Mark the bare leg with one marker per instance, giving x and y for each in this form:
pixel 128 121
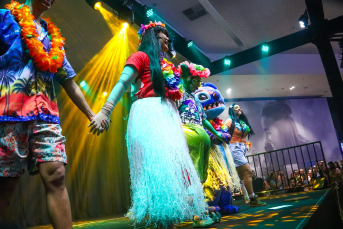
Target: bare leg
pixel 244 172
pixel 59 211
pixel 7 188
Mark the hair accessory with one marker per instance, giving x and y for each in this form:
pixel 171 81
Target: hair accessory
pixel 195 69
pixel 145 27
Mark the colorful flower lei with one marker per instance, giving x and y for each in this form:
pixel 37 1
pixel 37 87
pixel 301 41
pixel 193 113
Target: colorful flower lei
pixel 245 127
pixel 45 61
pixel 141 32
pixel 174 87
pixel 221 128
pixel 218 125
pixel 195 69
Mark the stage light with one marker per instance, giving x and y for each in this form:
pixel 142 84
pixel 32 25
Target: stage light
pixel 126 14
pixel 292 88
pixel 227 62
pixel 149 12
pixel 98 5
pixel 95 4
pixel 83 84
pixel 303 20
pixel 190 44
pixel 228 91
pixel 265 48
pixel 104 94
pixel 125 25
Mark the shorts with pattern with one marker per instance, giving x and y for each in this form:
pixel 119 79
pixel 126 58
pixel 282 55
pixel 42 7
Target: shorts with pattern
pixel 238 151
pixel 29 143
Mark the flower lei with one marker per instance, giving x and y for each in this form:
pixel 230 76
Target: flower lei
pixel 243 125
pixel 220 127
pixel 196 70
pixel 141 32
pixel 174 87
pixel 45 61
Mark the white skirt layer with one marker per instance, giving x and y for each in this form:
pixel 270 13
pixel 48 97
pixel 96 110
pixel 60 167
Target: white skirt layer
pixel 165 187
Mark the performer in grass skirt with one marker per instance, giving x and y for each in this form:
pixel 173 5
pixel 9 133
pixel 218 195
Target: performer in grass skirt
pixel 165 188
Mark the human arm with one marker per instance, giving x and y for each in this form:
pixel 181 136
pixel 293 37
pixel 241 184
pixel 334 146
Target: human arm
pixel 228 123
pixel 101 120
pixel 210 128
pixel 75 94
pixel 266 185
pixel 135 87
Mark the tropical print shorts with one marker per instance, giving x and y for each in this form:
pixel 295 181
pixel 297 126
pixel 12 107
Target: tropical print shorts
pixel 27 144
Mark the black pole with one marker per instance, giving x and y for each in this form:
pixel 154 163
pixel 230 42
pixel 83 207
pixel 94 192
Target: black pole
pixel 284 161
pixel 322 41
pixel 260 165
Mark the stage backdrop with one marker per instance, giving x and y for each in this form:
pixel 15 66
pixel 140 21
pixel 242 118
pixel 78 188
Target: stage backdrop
pixel 300 121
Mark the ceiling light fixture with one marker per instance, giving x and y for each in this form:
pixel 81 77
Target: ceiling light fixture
pixel 95 4
pixel 149 12
pixel 303 20
pixel 227 62
pixel 190 43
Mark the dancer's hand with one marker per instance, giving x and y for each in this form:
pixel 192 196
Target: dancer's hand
pixel 100 123
pixel 224 138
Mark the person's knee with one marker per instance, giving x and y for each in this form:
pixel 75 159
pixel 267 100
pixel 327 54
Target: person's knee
pixel 53 175
pixel 248 173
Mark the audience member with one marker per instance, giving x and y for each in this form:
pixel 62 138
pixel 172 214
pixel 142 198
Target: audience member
pixel 309 177
pixel 337 165
pixel 273 180
pixel 335 173
pixel 257 182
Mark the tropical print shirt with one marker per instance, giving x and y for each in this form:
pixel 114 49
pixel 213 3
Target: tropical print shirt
pixel 190 109
pixel 26 93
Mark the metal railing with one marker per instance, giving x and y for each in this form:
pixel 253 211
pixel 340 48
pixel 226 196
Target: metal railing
pixel 287 161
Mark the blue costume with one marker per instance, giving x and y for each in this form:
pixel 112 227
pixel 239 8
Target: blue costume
pixel 222 174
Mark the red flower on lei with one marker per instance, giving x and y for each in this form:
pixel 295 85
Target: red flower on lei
pixel 45 61
pixel 196 70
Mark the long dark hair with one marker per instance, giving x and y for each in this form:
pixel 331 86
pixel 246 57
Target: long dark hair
pixel 152 47
pixel 235 118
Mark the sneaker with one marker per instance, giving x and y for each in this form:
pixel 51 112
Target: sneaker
pixel 204 222
pixel 256 202
pixel 219 217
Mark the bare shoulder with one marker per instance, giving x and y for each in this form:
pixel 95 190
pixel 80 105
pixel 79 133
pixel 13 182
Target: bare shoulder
pixel 228 122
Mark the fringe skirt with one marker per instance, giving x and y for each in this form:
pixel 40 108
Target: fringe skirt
pixel 165 187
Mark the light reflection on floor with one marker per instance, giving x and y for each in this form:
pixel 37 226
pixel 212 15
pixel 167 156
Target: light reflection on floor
pixel 261 217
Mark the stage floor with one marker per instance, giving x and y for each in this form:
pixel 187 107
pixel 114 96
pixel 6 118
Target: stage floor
pixel 277 214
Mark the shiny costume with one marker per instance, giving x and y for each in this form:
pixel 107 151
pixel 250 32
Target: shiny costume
pixel 222 174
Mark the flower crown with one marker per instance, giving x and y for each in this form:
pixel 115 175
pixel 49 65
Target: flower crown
pixel 145 27
pixel 196 70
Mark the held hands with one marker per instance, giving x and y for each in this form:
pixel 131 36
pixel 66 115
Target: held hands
pixel 100 123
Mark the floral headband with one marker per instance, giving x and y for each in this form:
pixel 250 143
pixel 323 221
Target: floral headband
pixel 196 70
pixel 141 32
